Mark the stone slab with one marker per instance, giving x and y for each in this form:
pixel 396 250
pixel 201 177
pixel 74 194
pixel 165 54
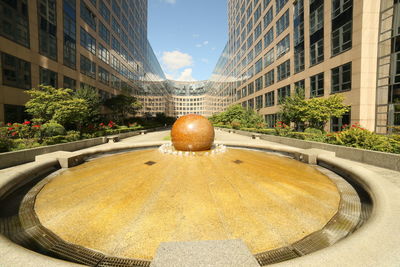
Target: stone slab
pixel 65 158
pixel 224 253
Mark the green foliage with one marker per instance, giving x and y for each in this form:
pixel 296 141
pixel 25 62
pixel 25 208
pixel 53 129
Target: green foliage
pixel 93 101
pixel 52 129
pixel 294 108
pixel 313 131
pixel 316 112
pixel 53 140
pixel 358 137
pixel 5 141
pixel 122 106
pixel 238 117
pixel 59 105
pixel 72 136
pixel 282 129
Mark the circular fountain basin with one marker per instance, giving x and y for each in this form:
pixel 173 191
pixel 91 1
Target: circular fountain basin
pixel 125 205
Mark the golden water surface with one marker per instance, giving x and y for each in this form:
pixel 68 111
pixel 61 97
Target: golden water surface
pixel 123 207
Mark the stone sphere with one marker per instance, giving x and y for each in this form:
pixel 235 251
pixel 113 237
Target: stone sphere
pixel 192 133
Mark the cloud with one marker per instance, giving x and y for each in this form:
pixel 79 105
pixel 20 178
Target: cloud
pixel 213 48
pixel 205 60
pixel 195 35
pixel 174 60
pixel 202 44
pixel 169 1
pixel 186 75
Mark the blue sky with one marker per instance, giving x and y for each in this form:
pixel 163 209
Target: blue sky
pixel 187 36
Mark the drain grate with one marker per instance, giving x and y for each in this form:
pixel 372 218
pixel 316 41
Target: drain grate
pixel 238 161
pixel 150 163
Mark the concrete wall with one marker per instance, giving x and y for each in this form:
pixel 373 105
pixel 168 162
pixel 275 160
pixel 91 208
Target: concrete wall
pixel 376 158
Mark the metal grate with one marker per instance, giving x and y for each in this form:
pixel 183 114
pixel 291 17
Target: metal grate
pixel 238 161
pixel 150 163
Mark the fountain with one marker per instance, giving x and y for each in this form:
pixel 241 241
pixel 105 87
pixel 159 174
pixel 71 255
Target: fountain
pixel 121 207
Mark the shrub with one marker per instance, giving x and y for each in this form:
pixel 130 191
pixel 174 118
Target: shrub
pixel 53 140
pixel 5 143
pixel 52 129
pixel 72 136
pixel 267 131
pixel 282 129
pixel 313 131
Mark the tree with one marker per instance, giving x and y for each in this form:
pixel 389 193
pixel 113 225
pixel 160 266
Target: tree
pixel 57 105
pixel 293 109
pixel 93 100
pixel 321 110
pixel 237 117
pixel 122 106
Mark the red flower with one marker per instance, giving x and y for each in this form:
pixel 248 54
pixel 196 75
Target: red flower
pixel 10 128
pixel 14 133
pixel 9 124
pixel 101 124
pixel 26 122
pixel 36 126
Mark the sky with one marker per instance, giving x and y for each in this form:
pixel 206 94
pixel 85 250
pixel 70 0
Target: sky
pixel 187 36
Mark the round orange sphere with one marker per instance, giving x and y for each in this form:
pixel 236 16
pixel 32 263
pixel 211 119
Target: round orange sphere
pixel 192 133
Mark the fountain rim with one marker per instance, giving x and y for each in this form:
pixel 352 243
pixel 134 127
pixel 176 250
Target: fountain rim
pixel 386 204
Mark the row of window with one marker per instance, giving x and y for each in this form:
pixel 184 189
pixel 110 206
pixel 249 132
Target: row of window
pixel 340 81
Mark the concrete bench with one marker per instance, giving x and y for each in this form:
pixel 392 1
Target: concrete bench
pixel 112 138
pixel 255 136
pixel 310 156
pixel 143 131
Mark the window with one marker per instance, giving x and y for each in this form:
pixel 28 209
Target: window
pixel 341 78
pixel 257 31
pixel 259 83
pixel 115 82
pixel 271 119
pixel 104 76
pixel 270 99
pixel 88 16
pixel 69 83
pixel 283 70
pixel 104 33
pixel 282 23
pixel 104 54
pixel 339 6
pixel 115 45
pixel 266 3
pixel 269 16
pixel 47 28
pixel 88 67
pixel 250 57
pixel 341 38
pixel 48 77
pixel 250 40
pixel 250 103
pixel 268 38
pixel 104 11
pixel 14 21
pixel 258 48
pixel 283 92
pixel 15 113
pixel 299 87
pixel 69 34
pixel 258 66
pixel 269 78
pixel 317 52
pixel 116 8
pixel 280 4
pixel 249 10
pixel 337 124
pixel 16 72
pixel 257 14
pixel 250 88
pixel 115 26
pixel 269 57
pixel 298 59
pixel 283 47
pixel 317 85
pixel 259 102
pixel 88 41
pixel 317 19
pixel 244 91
